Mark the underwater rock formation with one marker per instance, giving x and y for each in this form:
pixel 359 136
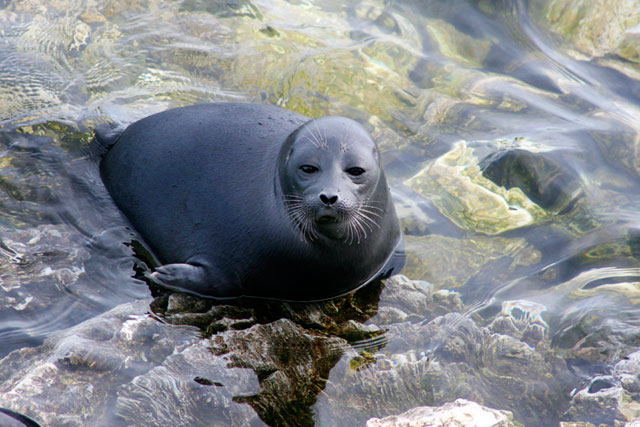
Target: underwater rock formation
pixel 454 414
pixel 179 360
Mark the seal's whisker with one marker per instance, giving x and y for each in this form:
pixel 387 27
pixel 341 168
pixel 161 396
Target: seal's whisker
pixel 365 221
pixel 349 239
pixel 366 211
pixel 296 209
pixel 366 217
pixel 370 214
pixel 374 208
pixel 361 230
pixel 362 234
pixel 324 133
pixel 309 226
pixel 323 143
pixel 351 233
pixel 302 217
pixel 370 206
pixel 316 140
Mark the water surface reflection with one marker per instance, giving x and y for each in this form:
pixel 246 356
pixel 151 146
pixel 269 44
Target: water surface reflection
pixel 510 137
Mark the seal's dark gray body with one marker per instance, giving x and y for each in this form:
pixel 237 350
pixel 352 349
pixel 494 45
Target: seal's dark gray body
pixel 11 418
pixel 200 184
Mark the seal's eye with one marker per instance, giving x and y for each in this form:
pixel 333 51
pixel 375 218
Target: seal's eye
pixel 308 169
pixel 355 171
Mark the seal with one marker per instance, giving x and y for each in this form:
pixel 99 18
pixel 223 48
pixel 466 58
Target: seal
pixel 11 418
pixel 245 200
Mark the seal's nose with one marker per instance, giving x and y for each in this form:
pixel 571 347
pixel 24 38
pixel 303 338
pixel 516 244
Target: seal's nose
pixel 328 199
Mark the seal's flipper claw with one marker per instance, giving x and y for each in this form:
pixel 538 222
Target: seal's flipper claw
pixel 188 278
pixel 178 276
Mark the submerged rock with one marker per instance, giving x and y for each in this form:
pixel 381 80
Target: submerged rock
pixel 595 28
pixel 540 177
pixel 277 369
pixel 610 399
pixel 451 262
pixel 460 413
pixel 470 200
pixel 522 320
pixel 243 364
pixel 127 365
pixel 375 353
pixel 406 300
pixel 74 376
pixel 448 357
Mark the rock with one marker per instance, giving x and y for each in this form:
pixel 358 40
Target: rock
pixel 448 357
pixel 61 254
pixel 277 369
pixel 251 365
pixel 450 262
pixel 461 413
pixel 78 373
pixel 609 399
pixel 594 28
pixel 403 299
pixel 575 424
pixel 288 364
pixel 522 320
pixel 545 181
pixel 469 199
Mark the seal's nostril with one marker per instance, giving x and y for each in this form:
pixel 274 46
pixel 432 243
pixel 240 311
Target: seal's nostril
pixel 328 200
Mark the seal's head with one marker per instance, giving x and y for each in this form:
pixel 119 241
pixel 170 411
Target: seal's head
pixel 331 180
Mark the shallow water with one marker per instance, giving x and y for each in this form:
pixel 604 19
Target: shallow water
pixel 441 85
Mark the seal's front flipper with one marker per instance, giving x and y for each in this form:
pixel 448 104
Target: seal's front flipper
pixel 189 278
pixel 179 277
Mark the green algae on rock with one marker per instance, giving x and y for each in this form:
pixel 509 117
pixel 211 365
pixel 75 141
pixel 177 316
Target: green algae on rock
pixel 470 200
pixel 596 28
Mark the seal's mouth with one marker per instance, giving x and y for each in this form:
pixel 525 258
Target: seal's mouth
pixel 327 219
pixel 327 216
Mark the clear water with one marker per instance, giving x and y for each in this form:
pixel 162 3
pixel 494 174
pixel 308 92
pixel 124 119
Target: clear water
pixel 422 75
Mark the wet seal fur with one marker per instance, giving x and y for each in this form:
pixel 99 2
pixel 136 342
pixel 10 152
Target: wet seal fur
pixel 252 200
pixel 11 418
